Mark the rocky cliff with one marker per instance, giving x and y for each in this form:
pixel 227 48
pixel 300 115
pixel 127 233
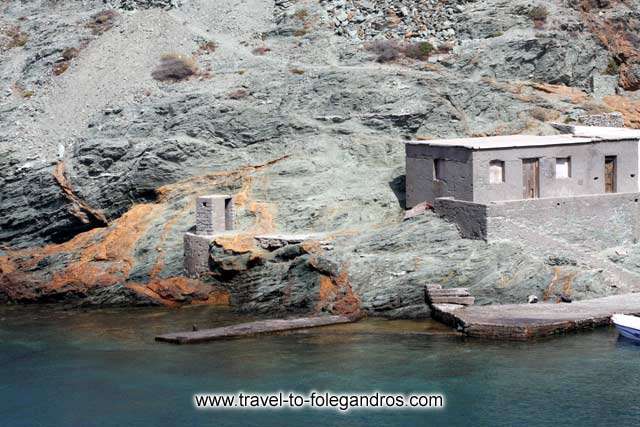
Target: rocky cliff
pixel 299 108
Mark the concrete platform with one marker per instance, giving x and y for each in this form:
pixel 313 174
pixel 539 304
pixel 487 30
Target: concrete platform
pixel 528 321
pixel 252 328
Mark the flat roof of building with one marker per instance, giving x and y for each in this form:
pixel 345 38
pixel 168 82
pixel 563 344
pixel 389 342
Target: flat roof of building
pixel 606 133
pixel 516 141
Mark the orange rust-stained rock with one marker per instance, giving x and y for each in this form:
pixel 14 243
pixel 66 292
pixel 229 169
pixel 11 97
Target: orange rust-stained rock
pixel 630 109
pixel 619 36
pixel 176 290
pixel 103 257
pixel 336 295
pixel 78 208
pixel 571 94
pixel 98 258
pixel 565 279
pixel 239 243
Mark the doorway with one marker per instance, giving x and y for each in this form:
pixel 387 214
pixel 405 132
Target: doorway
pixel 610 174
pixel 530 178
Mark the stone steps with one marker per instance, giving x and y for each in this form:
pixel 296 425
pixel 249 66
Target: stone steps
pixel 452 300
pixel 435 294
pixel 454 292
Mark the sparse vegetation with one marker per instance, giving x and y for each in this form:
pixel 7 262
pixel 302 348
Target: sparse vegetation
pixel 300 32
pixel 301 14
pixel 60 68
pixel 19 90
pixel 207 47
pixel 102 21
pixel 420 50
pixel 538 15
pixel 298 71
pixel 387 50
pixel 390 50
pixel 175 67
pixel 613 68
pixel 69 53
pixel 17 37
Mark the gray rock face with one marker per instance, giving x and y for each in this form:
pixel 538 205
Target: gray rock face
pixel 552 58
pixel 314 144
pixel 34 209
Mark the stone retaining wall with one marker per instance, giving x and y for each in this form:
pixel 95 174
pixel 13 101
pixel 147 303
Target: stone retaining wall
pixel 596 221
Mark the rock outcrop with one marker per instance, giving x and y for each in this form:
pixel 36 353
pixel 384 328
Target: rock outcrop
pixel 290 112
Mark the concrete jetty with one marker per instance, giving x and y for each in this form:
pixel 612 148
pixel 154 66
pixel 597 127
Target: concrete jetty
pixel 252 328
pixel 528 321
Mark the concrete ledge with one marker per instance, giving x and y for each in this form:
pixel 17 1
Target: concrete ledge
pixel 529 321
pixel 253 328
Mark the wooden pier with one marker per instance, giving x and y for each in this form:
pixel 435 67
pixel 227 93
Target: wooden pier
pixel 528 321
pixel 252 328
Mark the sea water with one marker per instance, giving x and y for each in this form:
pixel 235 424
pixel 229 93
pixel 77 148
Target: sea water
pixel 103 368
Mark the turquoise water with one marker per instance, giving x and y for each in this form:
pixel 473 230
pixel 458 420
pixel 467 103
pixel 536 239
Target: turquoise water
pixel 102 368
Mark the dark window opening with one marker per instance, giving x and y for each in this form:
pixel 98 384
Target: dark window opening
pixel 438 169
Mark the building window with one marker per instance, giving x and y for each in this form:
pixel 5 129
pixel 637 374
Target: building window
pixel 438 169
pixel 496 171
pixel 563 167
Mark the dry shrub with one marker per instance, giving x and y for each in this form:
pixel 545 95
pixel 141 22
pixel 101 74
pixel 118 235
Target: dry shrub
pixel 238 94
pixel 17 38
pixel 301 14
pixel 207 47
pixel 301 32
pixel 19 90
pixel 262 50
pixel 175 67
pixel 69 53
pixel 60 68
pixel 102 21
pixel 387 50
pixel 538 15
pixel 297 71
pixel 613 68
pixel 420 50
pixel 390 50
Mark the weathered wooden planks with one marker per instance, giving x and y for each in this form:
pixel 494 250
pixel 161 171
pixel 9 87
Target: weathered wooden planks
pixel 252 328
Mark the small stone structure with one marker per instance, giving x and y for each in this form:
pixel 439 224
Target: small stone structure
pixel 614 120
pixel 497 187
pixel 215 215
